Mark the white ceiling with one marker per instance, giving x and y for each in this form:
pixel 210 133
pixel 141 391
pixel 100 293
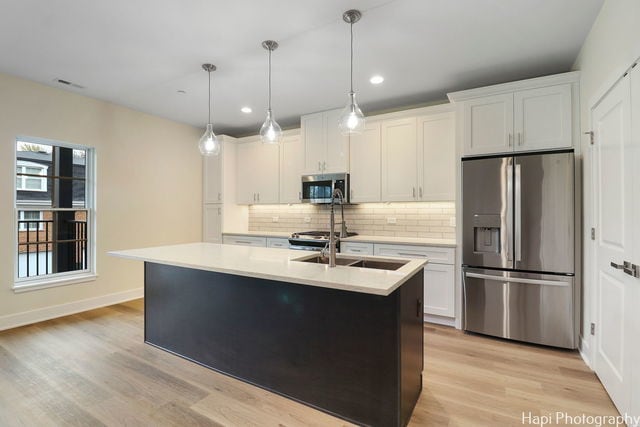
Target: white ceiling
pixel 139 53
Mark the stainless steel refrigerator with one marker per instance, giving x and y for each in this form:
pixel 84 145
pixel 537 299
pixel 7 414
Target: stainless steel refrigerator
pixel 518 226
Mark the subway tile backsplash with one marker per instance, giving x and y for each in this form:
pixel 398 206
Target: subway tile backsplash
pixel 418 219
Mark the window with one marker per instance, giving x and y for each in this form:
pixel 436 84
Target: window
pixel 31 220
pixel 54 211
pixel 28 177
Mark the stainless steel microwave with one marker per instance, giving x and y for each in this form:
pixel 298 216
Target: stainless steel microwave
pixel 319 188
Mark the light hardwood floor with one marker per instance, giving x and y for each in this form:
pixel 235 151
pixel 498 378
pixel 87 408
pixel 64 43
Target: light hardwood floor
pixel 93 369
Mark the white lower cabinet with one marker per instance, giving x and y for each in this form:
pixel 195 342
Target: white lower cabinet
pixel 277 242
pixel 212 223
pixel 231 239
pixel 356 248
pixel 439 276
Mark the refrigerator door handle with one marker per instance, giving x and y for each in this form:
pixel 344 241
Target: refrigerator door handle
pixel 517 201
pixel 518 280
pixel 508 213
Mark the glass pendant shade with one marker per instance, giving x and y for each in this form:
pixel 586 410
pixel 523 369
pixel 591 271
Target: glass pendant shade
pixel 270 132
pixel 209 144
pixel 351 119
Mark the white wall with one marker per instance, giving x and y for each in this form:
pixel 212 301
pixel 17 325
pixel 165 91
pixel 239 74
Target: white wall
pixel 149 190
pixel 610 48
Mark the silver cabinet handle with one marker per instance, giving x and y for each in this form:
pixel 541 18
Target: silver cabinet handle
pixel 258 196
pixel 420 192
pixel 243 242
pixel 219 211
pixel 324 166
pixel 628 268
pixel 413 191
pixel 412 255
pixel 219 196
pixel 320 166
pixel 299 195
pixel 254 197
pixel 519 138
pixel 354 250
pixel 351 193
pixel 510 138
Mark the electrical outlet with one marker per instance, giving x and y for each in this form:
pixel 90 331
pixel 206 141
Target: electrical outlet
pixel 307 219
pixel 452 221
pixel 275 218
pixel 391 220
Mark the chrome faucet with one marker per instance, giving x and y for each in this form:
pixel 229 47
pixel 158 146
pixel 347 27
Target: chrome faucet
pixel 333 241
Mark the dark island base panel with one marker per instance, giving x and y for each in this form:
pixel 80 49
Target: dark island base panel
pixel 356 356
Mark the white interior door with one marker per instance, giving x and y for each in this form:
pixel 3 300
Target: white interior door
pixel 613 165
pixel 634 291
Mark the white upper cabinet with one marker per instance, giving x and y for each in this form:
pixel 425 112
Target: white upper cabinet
pixel 365 164
pixel 291 168
pixel 436 141
pixel 325 149
pixel 542 118
pixel 399 160
pixel 488 124
pixel 529 115
pixel 257 173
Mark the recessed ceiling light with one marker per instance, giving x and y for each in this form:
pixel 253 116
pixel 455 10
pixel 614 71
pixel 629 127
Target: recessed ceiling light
pixel 376 80
pixel 246 110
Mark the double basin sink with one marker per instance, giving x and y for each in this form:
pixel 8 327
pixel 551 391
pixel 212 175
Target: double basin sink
pixel 376 264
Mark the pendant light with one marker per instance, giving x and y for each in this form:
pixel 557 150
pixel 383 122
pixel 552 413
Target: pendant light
pixel 209 144
pixel 351 119
pixel 270 132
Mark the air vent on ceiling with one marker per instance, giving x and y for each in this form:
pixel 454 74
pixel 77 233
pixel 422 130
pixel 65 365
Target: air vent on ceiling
pixel 68 83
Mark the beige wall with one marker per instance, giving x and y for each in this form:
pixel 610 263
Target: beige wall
pixel 611 47
pixel 148 185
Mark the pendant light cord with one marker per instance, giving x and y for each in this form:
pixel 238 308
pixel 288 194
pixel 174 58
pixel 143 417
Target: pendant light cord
pixel 270 79
pixel 351 28
pixel 209 97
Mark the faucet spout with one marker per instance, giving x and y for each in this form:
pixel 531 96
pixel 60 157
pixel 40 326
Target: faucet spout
pixel 333 240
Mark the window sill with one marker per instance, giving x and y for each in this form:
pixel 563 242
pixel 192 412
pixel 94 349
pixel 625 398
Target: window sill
pixel 32 285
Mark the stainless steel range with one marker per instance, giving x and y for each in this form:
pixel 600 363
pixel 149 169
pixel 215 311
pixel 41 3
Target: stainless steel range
pixel 312 240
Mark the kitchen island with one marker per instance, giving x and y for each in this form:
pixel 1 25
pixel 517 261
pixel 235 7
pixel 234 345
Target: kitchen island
pixel 346 340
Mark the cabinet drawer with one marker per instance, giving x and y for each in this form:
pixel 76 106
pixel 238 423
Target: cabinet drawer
pixel 275 242
pixel 436 255
pixel 356 248
pixel 244 240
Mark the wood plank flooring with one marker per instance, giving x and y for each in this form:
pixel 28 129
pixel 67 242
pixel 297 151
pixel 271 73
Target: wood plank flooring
pixel 93 369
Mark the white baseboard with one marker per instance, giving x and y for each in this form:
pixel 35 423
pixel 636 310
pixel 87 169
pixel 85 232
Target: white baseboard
pixel 585 351
pixel 440 320
pixel 51 312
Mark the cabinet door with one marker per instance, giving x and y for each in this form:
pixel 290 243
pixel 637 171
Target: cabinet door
pixel 399 160
pixel 365 164
pixel 488 125
pixel 245 173
pixel 266 172
pixel 436 140
pixel 212 178
pixel 291 168
pixel 439 290
pixel 315 150
pixel 543 118
pixel 212 223
pixel 337 154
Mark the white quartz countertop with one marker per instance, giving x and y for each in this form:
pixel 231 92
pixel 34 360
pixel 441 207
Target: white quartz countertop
pixel 276 264
pixel 421 241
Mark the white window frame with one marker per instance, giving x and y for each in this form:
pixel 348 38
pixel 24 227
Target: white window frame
pixel 22 166
pixel 25 284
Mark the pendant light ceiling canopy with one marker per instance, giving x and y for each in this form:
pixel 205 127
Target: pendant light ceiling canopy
pixel 209 144
pixel 351 119
pixel 270 132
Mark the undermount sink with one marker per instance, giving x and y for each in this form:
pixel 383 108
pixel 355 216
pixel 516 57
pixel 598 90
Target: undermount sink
pixel 383 264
